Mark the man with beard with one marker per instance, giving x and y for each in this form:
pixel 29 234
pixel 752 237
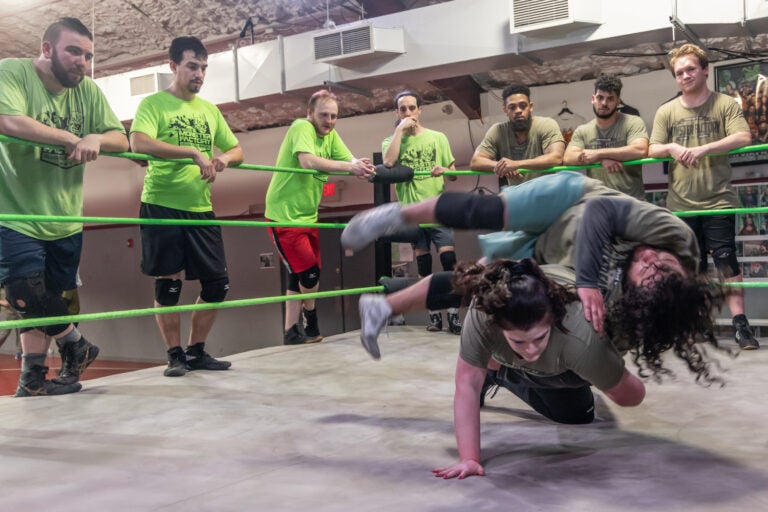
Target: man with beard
pixel 50 101
pixel 610 139
pixel 311 143
pixel 696 129
pixel 524 141
pixel 175 123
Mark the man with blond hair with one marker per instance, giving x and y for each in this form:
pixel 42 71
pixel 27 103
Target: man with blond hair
pixel 691 129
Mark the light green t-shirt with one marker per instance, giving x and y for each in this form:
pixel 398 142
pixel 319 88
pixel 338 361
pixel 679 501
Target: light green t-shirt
pixel 581 350
pixel 293 197
pixel 37 181
pixel 500 142
pixel 197 123
pixel 626 129
pixel 421 153
pixel 707 186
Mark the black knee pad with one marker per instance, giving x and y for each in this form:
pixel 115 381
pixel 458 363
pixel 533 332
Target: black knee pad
pixel 464 210
pixel 424 265
pixel 29 296
pixel 167 291
pixel 448 260
pixel 726 262
pixel 214 290
pixel 310 277
pixel 293 283
pixel 440 293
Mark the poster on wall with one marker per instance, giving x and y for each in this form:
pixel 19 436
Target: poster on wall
pixel 747 83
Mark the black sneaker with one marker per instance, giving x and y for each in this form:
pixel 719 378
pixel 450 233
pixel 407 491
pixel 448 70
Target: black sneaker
pixel 745 338
pixel 311 330
pixel 454 324
pixel 294 336
pixel 33 383
pixel 177 363
pixel 75 358
pixel 199 359
pixel 435 322
pixel 490 383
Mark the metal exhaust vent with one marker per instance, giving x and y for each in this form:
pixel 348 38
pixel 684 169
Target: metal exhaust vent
pixel 147 84
pixel 553 17
pixel 364 40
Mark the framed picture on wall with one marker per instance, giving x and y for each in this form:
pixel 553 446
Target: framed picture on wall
pixel 747 83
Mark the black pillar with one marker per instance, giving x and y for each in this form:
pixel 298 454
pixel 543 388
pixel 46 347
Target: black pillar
pixel 382 250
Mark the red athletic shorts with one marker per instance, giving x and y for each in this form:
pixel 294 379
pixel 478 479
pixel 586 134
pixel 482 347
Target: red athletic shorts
pixel 299 248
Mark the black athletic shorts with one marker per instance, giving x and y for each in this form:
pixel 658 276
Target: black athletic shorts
pixel 166 250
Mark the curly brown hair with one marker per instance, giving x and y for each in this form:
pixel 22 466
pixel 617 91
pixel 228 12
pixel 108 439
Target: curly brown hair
pixel 516 294
pixel 674 314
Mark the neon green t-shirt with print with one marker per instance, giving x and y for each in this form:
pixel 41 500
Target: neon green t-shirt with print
pixel 197 123
pixel 294 197
pixel 421 153
pixel 41 181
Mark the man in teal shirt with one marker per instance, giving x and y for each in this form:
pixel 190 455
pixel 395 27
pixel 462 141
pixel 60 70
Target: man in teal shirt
pixel 311 143
pixel 175 123
pixel 49 100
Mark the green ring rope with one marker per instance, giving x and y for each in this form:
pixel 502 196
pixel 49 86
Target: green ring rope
pixel 252 167
pixel 36 322
pixel 129 313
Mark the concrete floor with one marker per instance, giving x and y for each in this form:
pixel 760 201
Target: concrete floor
pixel 325 428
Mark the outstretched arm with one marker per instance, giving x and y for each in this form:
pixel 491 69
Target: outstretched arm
pixel 466 420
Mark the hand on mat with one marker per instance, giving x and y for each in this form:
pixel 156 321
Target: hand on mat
pixel 461 470
pixel 594 308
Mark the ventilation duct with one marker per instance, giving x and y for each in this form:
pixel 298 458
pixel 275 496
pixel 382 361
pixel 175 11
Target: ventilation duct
pixel 150 83
pixel 349 44
pixel 553 17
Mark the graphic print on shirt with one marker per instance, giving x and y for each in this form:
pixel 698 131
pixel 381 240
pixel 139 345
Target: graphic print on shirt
pixel 420 158
pixel 73 124
pixel 696 129
pixel 192 130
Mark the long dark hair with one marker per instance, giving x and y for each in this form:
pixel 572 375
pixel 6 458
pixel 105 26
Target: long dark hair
pixel 516 294
pixel 676 313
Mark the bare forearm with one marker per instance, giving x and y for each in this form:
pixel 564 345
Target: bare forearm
pixel 734 141
pixel 233 156
pixel 143 143
pixel 393 151
pixel 24 127
pixel 466 421
pixel 310 161
pixel 481 162
pixel 114 142
pixel 621 154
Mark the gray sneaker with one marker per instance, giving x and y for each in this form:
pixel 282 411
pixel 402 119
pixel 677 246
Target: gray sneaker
pixel 33 383
pixel 75 358
pixel 367 226
pixel 374 313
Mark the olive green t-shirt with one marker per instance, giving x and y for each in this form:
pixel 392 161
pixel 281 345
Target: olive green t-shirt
pixel 500 142
pixel 621 133
pixel 421 153
pixel 707 186
pixel 581 350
